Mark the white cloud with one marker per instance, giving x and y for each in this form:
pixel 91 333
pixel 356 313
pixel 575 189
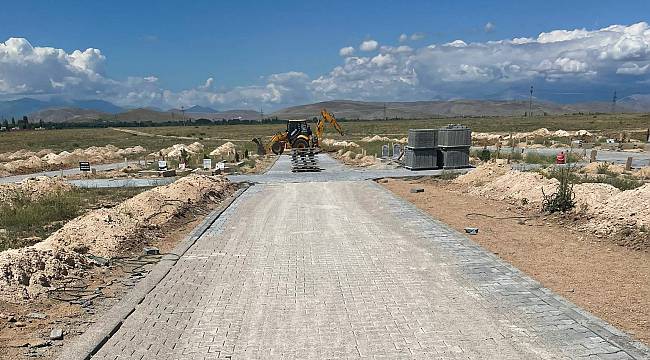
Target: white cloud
pixel 633 69
pixel 565 60
pixel 489 27
pixel 417 36
pixel 581 60
pixel 346 51
pixel 368 45
pixel 403 38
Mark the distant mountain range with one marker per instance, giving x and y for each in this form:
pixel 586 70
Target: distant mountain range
pixel 57 111
pixel 25 106
pixel 365 110
pixel 196 109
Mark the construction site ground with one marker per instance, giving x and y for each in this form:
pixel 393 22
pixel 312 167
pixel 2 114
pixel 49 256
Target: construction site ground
pixel 610 281
pixel 363 274
pixel 27 336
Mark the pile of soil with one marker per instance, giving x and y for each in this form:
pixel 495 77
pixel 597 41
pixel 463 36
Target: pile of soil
pixel 605 209
pixel 377 138
pixel 358 160
pixel 340 144
pixel 23 161
pixel 176 150
pixel 122 230
pixel 33 189
pixel 520 187
pixel 224 150
pixel 630 208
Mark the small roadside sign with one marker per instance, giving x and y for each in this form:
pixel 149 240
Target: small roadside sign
pixel 207 164
pixel 84 166
pixel 162 165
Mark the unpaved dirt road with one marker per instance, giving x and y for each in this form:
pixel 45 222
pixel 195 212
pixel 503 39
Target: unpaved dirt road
pixel 345 269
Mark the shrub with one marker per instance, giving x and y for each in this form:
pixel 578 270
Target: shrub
pixel 563 199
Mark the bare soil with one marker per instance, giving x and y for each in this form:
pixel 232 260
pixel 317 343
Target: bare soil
pixel 610 281
pixel 27 337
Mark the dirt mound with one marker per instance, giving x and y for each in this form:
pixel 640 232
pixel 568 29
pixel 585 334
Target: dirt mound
pixel 643 173
pixel 376 138
pixel 482 174
pixel 176 150
pixel 592 168
pixel 342 144
pixel 626 209
pixel 517 186
pixel 592 195
pixel 29 272
pixel 225 149
pixel 23 161
pixel 105 232
pixel 33 189
pixel 359 160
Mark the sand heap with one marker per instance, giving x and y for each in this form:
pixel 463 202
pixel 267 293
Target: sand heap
pixel 177 149
pixel 225 149
pixel 22 154
pixel 24 161
pixel 515 186
pixel 104 232
pixel 339 144
pixel 482 174
pixel 376 138
pixel 33 189
pixel 359 160
pixel 608 209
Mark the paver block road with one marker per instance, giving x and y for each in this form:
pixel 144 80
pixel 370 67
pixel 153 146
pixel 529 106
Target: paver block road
pixel 335 270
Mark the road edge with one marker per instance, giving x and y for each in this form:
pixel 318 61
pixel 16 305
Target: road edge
pixel 88 344
pixel 608 332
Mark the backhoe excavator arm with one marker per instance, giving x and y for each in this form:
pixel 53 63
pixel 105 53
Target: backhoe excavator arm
pixel 327 117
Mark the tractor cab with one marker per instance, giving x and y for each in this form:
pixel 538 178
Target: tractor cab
pixel 295 128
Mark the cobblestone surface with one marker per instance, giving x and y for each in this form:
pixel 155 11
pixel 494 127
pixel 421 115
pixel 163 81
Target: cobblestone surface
pixel 362 274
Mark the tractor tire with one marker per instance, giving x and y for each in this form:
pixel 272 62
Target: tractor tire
pixel 300 144
pixel 277 147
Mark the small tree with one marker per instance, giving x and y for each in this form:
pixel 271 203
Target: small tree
pixel 25 122
pixel 13 122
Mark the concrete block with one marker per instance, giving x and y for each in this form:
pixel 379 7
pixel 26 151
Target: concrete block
pixel 419 159
pixel 423 138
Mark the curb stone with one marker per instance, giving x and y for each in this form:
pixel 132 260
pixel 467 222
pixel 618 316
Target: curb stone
pixel 88 343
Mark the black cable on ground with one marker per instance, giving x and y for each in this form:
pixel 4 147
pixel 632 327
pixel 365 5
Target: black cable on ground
pixel 74 290
pixel 503 217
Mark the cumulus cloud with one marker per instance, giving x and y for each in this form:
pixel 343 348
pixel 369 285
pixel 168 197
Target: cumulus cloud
pixel 368 45
pixel 417 36
pixel 567 61
pixel 346 51
pixel 580 60
pixel 403 38
pixel 489 27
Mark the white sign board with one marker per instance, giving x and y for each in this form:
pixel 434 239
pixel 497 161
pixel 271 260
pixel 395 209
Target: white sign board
pixel 207 164
pixel 162 165
pixel 220 166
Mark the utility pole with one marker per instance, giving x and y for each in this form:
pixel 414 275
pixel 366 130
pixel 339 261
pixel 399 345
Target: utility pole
pixel 183 114
pixel 614 102
pixel 385 117
pixel 261 115
pixel 530 102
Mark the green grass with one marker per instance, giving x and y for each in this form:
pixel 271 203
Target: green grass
pixel 620 182
pixel 213 135
pixel 25 218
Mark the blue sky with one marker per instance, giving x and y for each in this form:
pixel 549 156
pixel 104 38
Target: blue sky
pixel 241 44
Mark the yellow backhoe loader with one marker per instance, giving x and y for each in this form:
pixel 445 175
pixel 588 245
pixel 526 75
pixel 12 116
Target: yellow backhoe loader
pixel 299 135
